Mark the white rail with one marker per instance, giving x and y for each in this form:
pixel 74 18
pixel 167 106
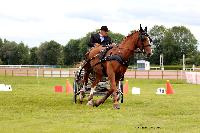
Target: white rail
pixel 27 66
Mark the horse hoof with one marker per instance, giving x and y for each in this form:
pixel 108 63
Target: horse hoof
pixel 116 106
pixel 90 97
pixel 81 99
pixel 118 98
pixel 97 103
pixel 90 103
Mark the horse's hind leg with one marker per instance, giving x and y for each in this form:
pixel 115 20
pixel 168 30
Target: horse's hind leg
pixel 96 81
pixel 84 82
pixel 85 79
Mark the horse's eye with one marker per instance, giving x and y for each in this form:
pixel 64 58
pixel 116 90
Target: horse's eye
pixel 143 37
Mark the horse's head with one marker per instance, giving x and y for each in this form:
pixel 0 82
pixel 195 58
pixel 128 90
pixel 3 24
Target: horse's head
pixel 144 41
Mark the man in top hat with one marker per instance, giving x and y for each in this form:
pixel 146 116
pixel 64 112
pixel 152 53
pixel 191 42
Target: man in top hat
pixel 100 38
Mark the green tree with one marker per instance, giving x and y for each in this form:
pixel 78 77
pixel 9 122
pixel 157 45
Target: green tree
pixel 13 53
pixel 157 33
pixel 1 62
pixel 173 43
pixel 60 60
pixel 83 45
pixel 1 54
pixel 169 49
pixel 49 53
pixel 22 54
pixel 72 53
pixel 116 37
pixel 8 53
pixel 187 43
pixel 194 59
pixel 33 56
pixel 1 42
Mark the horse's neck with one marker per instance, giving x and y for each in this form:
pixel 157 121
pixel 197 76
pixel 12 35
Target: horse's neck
pixel 126 48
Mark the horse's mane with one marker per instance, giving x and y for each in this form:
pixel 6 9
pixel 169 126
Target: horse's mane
pixel 128 36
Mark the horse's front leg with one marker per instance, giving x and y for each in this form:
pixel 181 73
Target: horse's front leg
pixel 112 90
pixel 101 101
pixel 115 96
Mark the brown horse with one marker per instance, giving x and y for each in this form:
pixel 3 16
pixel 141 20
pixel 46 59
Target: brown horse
pixel 114 63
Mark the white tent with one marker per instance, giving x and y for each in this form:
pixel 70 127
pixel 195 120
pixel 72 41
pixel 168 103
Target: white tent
pixel 143 65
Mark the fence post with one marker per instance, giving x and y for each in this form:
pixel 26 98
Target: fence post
pixel 135 74
pixel 177 75
pixel 196 78
pixel 181 75
pixel 51 73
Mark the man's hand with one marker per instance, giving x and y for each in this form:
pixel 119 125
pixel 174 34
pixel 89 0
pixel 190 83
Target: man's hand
pixel 96 44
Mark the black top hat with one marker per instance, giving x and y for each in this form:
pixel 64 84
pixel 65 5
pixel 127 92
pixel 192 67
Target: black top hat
pixel 104 28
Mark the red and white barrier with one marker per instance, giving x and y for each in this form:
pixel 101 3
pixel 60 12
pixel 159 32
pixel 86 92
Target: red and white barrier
pixel 193 77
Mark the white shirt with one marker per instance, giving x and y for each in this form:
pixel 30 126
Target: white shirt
pixel 101 37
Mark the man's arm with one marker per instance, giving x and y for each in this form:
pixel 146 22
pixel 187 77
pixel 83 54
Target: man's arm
pixel 92 41
pixel 109 40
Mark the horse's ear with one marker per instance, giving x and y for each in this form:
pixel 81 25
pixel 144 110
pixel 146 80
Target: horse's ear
pixel 141 27
pixel 145 29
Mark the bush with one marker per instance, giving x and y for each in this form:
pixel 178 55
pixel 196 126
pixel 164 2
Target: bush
pixel 175 67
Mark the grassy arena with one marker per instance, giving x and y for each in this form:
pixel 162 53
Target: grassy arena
pixel 33 107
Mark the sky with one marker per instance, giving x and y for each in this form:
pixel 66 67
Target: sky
pixel 37 21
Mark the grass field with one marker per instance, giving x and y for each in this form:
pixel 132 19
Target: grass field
pixel 33 107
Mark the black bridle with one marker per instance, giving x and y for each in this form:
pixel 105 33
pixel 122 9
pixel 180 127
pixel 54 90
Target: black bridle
pixel 143 35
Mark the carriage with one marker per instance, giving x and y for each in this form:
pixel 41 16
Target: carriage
pixel 101 88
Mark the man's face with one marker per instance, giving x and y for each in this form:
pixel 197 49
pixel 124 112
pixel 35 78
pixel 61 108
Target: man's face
pixel 103 33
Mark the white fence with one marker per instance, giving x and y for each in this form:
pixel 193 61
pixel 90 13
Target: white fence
pixel 69 72
pixel 41 72
pixel 56 73
pixel 27 66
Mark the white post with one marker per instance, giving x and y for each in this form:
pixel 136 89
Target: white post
pixel 193 67
pixel 183 62
pixel 161 62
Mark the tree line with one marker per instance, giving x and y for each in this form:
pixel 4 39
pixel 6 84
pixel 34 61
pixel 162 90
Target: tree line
pixel 172 43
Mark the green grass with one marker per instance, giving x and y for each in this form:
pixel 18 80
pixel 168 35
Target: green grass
pixel 34 107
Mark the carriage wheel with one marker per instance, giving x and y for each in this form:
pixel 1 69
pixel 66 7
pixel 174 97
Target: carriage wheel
pixel 75 89
pixel 120 92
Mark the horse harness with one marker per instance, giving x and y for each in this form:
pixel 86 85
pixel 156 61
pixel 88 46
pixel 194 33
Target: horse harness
pixel 102 55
